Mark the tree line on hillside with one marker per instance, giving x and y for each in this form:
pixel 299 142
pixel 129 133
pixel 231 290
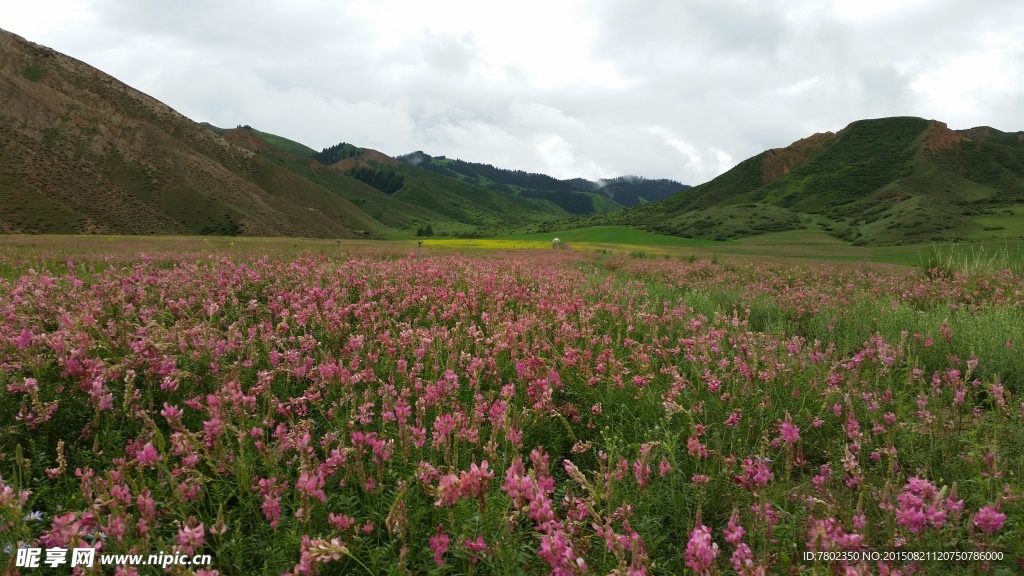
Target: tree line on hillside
pixel 387 181
pixel 625 190
pixel 634 190
pixel 572 202
pixel 506 177
pixel 335 153
pixel 438 169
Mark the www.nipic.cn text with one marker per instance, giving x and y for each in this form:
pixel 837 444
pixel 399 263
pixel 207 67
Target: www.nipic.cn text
pixel 86 557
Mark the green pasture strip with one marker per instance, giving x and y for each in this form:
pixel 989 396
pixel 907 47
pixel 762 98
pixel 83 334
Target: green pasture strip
pixel 791 245
pixel 615 235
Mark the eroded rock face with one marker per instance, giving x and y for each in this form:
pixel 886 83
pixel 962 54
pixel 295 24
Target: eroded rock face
pixel 778 162
pixel 939 137
pixel 246 139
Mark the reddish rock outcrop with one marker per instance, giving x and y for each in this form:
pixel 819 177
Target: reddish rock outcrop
pixel 778 162
pixel 939 137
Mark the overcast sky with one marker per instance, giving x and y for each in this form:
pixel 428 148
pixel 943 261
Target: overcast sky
pixel 681 89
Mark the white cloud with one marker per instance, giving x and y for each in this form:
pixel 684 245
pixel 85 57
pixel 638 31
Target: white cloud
pixel 570 88
pixel 967 85
pixel 860 10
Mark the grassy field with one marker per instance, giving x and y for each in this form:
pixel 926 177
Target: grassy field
pixel 1005 223
pixel 615 235
pixel 795 244
pixel 809 245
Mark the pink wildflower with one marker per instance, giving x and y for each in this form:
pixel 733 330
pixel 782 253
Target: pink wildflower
pixel 311 485
pixel 734 531
pixel 641 471
pixel 700 550
pixel 789 432
pixel 190 539
pixel 734 419
pixel 341 522
pixel 148 456
pixel 859 521
pixel 476 482
pixel 476 548
pixel 921 506
pixel 664 467
pixel 695 448
pixel 743 560
pixel 439 544
pixel 756 473
pixel 448 492
pixel 989 519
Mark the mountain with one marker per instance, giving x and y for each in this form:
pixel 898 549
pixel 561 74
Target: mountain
pixel 383 208
pixel 632 190
pixel 80 152
pixel 576 196
pixel 881 181
pixel 396 194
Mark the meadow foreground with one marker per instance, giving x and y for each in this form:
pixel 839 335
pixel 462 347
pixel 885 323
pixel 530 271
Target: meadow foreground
pixel 522 413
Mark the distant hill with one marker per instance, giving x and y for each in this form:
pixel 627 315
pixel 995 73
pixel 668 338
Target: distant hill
pixel 882 181
pixel 398 195
pixel 576 196
pixel 632 190
pixel 81 152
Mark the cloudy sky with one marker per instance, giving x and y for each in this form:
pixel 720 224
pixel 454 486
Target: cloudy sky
pixel 681 89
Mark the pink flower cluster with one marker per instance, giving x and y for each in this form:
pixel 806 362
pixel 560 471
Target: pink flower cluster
pixel 472 483
pixel 922 505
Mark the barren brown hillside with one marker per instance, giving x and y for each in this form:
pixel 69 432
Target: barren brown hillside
pixel 939 137
pixel 246 139
pixel 81 152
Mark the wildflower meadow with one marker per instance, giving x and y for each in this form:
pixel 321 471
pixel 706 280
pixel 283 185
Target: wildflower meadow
pixel 527 412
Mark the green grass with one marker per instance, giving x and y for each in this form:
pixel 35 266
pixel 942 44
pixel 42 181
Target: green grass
pixel 289 146
pixel 34 72
pixel 1006 222
pixel 615 235
pixel 972 259
pixel 803 236
pixel 731 221
pixel 603 204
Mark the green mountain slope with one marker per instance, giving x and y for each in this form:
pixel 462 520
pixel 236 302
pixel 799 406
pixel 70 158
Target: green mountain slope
pixel 883 181
pixel 397 195
pixel 468 203
pixel 576 196
pixel 383 208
